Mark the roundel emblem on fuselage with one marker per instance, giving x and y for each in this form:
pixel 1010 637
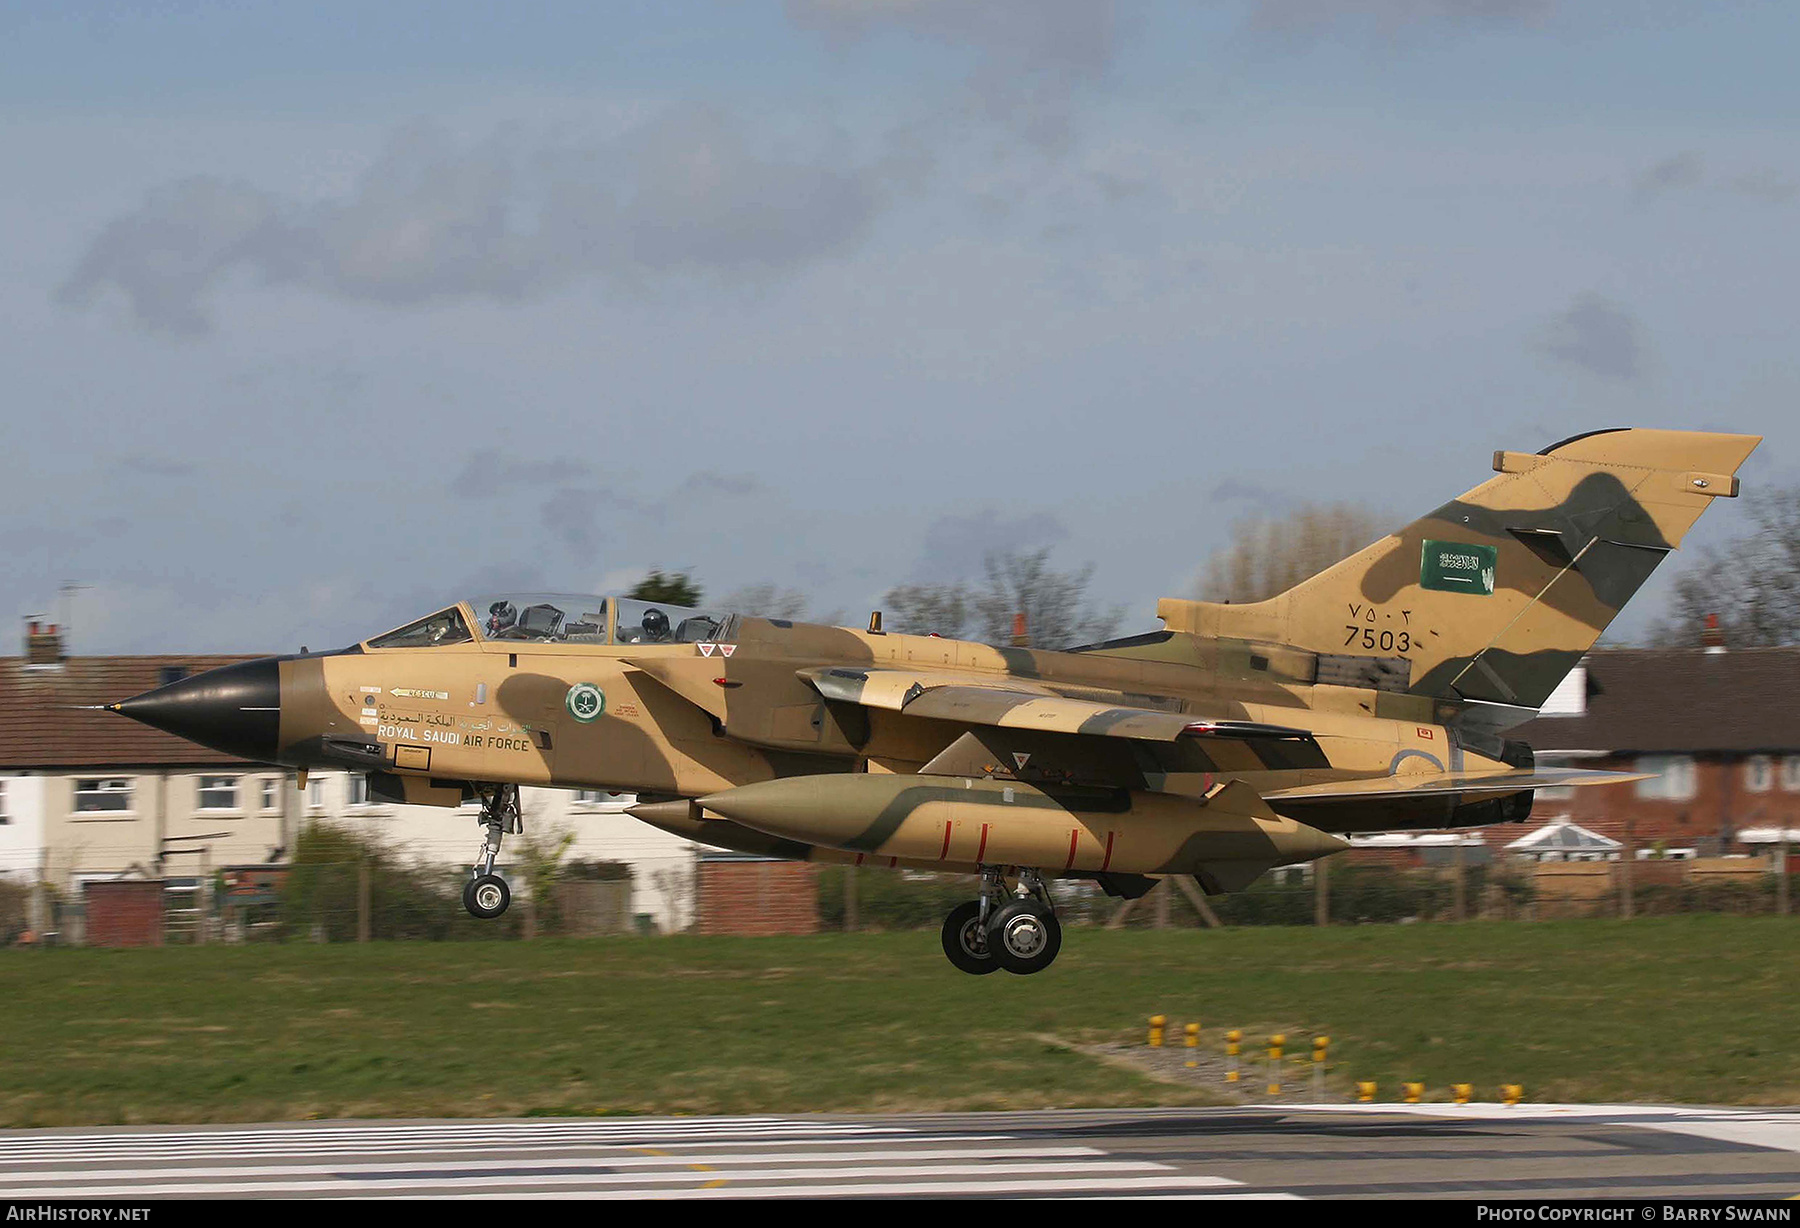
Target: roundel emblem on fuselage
pixel 585 701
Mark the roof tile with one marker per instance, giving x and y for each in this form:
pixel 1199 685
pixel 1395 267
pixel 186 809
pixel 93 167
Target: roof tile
pixel 1684 700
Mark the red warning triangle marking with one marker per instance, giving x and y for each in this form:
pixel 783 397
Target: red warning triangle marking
pixel 706 649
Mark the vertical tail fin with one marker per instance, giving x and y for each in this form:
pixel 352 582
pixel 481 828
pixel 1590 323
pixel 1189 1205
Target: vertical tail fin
pixel 1495 595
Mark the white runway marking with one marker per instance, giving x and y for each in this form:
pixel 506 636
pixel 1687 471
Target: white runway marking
pixel 925 1188
pixel 662 1158
pixel 1751 1127
pixel 596 1159
pixel 1049 1175
pixel 1146 1154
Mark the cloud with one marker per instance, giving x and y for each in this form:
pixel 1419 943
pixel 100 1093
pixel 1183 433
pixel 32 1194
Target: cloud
pixel 1307 17
pixel 1766 185
pixel 686 194
pixel 572 515
pixel 956 547
pixel 491 472
pixel 1235 490
pixel 730 485
pixel 1032 57
pixel 1683 170
pixel 144 464
pixel 1597 336
pixel 1071 37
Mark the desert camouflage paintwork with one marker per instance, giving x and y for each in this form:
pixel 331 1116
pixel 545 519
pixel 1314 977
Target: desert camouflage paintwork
pixel 1370 696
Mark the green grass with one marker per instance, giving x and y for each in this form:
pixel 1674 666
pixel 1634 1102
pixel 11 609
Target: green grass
pixel 1693 1009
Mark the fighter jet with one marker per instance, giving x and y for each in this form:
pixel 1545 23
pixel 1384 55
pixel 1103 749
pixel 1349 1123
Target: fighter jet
pixel 1374 696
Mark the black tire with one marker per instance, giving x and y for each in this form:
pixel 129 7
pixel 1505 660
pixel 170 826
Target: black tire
pixel 965 942
pixel 486 896
pixel 1024 937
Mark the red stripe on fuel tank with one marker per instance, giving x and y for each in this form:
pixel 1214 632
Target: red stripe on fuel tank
pixel 945 851
pixel 983 848
pixel 1074 835
pixel 1108 861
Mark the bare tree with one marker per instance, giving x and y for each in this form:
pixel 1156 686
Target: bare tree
pixel 1751 582
pixel 1054 603
pixel 1269 556
pixel 931 609
pixel 765 601
pixel 678 886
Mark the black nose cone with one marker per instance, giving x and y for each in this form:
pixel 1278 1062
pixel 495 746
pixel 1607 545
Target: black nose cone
pixel 235 708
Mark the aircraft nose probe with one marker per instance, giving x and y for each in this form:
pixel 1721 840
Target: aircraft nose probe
pixel 235 709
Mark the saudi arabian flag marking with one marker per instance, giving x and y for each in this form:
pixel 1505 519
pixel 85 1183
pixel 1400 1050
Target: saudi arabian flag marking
pixel 1455 567
pixel 585 701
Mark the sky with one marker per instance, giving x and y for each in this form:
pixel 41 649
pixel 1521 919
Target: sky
pixel 314 318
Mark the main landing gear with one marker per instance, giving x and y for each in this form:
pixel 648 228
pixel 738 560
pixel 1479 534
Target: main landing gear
pixel 486 894
pixel 1017 931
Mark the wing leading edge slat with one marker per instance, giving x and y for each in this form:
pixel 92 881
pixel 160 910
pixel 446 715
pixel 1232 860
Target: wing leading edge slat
pixel 973 701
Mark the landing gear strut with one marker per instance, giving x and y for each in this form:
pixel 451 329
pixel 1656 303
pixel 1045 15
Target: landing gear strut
pixel 486 894
pixel 1016 931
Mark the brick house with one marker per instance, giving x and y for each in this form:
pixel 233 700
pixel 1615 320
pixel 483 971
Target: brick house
pixel 1717 729
pixel 86 796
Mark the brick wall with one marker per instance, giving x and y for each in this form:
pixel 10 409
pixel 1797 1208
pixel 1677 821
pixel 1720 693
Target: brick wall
pixel 758 898
pixel 1720 807
pixel 124 914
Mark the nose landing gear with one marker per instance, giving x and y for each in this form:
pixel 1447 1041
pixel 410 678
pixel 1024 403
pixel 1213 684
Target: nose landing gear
pixel 486 894
pixel 1017 932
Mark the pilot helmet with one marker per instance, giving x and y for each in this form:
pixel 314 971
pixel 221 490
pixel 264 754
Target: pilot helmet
pixel 501 615
pixel 656 624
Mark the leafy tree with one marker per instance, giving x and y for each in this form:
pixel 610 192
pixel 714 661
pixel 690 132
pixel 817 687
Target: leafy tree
pixel 1751 582
pixel 540 859
pixel 1057 614
pixel 1269 556
pixel 674 588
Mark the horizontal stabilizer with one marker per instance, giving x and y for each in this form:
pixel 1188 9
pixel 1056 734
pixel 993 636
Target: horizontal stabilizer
pixel 1471 786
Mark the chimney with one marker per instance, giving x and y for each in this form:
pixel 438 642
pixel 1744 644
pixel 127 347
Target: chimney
pixel 1021 638
pixel 43 644
pixel 1712 637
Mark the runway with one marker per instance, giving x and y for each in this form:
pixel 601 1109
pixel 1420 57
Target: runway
pixel 1333 1151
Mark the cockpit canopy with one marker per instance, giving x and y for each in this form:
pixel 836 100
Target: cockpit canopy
pixel 561 618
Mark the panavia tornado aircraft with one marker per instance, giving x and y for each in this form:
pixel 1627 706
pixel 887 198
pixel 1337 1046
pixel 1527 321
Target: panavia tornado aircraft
pixel 1374 696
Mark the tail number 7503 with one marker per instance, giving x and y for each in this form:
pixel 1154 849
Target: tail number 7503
pixel 1386 641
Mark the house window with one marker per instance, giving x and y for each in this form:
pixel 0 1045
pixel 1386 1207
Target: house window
pixel 271 793
pixel 170 673
pixel 1556 793
pixel 1759 774
pixel 1672 778
pixel 218 793
pixel 315 794
pixel 594 797
pixel 112 793
pixel 359 790
pixel 1790 773
pixel 5 808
